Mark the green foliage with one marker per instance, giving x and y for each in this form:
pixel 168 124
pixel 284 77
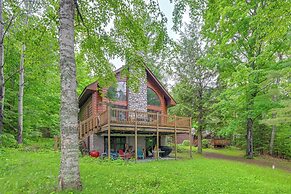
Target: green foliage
pixel 282 146
pixel 8 140
pixel 205 143
pixel 186 143
pixel 249 47
pixel 132 30
pixel 195 81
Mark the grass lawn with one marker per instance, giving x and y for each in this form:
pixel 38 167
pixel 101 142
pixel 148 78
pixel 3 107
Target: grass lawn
pixel 230 151
pixel 36 172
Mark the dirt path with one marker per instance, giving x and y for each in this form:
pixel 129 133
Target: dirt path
pixel 266 162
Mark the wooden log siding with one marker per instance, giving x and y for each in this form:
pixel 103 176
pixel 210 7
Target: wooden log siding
pixel 127 119
pixel 87 126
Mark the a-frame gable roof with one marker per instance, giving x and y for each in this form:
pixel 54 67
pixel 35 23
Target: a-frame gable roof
pixel 93 86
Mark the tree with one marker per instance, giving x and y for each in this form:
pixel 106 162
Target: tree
pixel 11 12
pixel 196 80
pixel 21 81
pixel 2 89
pixel 69 173
pixel 278 116
pixel 245 39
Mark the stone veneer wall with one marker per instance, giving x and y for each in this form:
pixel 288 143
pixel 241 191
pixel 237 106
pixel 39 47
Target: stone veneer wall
pixel 138 101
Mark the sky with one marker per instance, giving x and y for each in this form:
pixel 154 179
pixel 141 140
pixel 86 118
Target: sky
pixel 167 8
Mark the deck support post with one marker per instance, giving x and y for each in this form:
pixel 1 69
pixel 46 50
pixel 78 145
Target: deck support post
pixel 135 135
pixel 175 138
pixel 190 136
pixel 157 146
pixel 108 131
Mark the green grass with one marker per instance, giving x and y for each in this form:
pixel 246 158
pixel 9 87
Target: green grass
pixel 36 172
pixel 229 151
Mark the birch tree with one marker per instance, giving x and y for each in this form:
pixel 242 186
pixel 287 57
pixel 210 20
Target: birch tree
pixel 2 89
pixel 69 177
pixel 21 80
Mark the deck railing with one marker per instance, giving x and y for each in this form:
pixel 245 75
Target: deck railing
pixel 125 117
pixel 87 126
pixel 129 117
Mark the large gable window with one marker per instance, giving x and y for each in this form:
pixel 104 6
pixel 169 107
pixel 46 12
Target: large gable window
pixel 118 92
pixel 153 98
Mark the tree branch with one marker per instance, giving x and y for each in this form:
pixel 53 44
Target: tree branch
pixel 12 75
pixel 80 15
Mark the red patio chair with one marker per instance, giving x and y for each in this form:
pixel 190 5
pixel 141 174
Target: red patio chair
pixel 121 153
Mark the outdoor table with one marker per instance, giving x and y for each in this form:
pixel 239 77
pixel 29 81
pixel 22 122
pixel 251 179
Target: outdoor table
pixel 159 151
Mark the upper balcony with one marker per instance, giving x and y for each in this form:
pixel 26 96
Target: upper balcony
pixel 125 120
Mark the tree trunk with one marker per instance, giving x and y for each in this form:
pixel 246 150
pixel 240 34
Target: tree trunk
pixel 199 139
pixel 250 122
pixel 251 93
pixel 250 146
pixel 272 139
pixel 69 177
pixel 274 128
pixel 21 84
pixel 200 118
pixel 20 96
pixel 2 86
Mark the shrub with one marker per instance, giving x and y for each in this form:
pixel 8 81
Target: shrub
pixel 8 140
pixel 205 143
pixel 180 148
pixel 186 143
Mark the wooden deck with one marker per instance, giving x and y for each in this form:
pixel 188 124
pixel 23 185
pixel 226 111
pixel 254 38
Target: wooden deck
pixel 128 120
pixel 121 120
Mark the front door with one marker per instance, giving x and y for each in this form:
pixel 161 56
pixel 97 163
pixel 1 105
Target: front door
pixel 116 143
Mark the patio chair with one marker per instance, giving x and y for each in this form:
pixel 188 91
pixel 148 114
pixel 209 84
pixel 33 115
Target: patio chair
pixel 140 154
pixel 121 153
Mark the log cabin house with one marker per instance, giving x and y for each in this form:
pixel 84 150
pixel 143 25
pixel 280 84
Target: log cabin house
pixel 138 119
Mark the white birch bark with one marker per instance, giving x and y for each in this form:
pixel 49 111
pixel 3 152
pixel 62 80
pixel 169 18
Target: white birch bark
pixel 21 83
pixel 2 86
pixel 20 95
pixel 69 177
pixel 274 127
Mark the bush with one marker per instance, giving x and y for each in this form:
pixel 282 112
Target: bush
pixel 8 140
pixel 33 134
pixel 186 143
pixel 205 143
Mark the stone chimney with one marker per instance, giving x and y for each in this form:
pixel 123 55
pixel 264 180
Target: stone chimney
pixel 138 101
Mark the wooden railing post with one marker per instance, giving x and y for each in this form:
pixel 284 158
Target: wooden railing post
pixel 190 136
pixel 135 135
pixel 175 138
pixel 157 147
pixel 96 123
pixel 108 132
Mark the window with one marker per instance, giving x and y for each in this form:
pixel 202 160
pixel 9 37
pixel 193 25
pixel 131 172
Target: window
pixel 89 110
pixel 153 98
pixel 117 92
pixel 116 143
